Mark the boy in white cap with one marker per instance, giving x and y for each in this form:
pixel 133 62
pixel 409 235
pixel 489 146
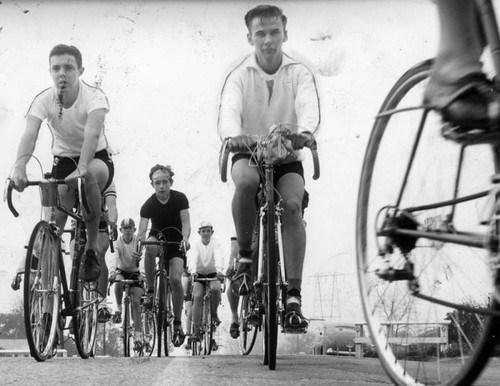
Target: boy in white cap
pixel 205 261
pixel 125 265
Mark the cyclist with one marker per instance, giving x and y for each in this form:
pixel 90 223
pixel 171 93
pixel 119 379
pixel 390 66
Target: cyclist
pixel 166 208
pixel 187 285
pixel 75 113
pixel 205 261
pixel 107 231
pixel 457 87
pixel 125 266
pixel 267 88
pixel 232 297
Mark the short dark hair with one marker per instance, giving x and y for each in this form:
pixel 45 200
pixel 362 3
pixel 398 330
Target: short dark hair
pixel 163 168
pixel 265 12
pixel 63 49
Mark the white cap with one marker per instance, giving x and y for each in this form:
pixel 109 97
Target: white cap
pixel 127 222
pixel 205 224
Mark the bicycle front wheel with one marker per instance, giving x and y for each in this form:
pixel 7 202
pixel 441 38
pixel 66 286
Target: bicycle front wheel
pixel 149 330
pixel 425 294
pixel 86 304
pixel 128 336
pixel 42 293
pixel 271 293
pixel 249 319
pixel 207 327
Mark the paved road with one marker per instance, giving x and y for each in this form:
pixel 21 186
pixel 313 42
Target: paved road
pixel 218 369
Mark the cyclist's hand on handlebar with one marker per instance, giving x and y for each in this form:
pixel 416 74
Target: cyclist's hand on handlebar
pixel 301 140
pixel 220 276
pixel 112 277
pixel 185 246
pixel 242 142
pixel 113 231
pixel 19 179
pixel 72 179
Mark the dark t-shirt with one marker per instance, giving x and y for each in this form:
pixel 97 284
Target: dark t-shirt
pixel 166 215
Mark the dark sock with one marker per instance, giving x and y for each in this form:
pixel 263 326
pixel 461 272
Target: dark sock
pixel 245 253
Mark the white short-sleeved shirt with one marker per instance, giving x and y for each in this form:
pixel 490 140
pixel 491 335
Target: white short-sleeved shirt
pixel 68 128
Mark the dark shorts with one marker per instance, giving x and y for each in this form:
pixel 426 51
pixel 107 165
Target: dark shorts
pixel 172 251
pixel 131 276
pixel 64 166
pixel 279 171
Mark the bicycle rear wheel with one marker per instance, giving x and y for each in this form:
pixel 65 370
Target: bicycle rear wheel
pixel 42 293
pixel 86 303
pixel 249 322
pixel 409 331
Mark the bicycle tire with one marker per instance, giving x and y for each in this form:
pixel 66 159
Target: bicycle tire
pixel 169 322
pixel 207 326
pixel 127 349
pixel 249 331
pixel 442 271
pixel 149 330
pixel 160 311
pixel 42 293
pixel 85 304
pixel 271 296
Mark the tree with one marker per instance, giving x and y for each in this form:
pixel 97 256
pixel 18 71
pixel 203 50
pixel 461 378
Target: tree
pixel 12 324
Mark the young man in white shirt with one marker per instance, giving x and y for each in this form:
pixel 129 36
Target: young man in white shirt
pixel 205 261
pixel 267 88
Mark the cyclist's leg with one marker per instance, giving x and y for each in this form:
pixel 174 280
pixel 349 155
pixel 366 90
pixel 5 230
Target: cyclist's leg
pixel 136 294
pixel 188 300
pixel 291 188
pixel 103 240
pixel 149 268
pixel 119 298
pixel 198 292
pixel 457 86
pixel 215 299
pixel 246 180
pixel 176 267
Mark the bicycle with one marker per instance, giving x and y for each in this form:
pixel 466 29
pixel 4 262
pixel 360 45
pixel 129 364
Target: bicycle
pixel 162 303
pixel 148 324
pixel 203 340
pixel 427 235
pixel 271 279
pixel 48 299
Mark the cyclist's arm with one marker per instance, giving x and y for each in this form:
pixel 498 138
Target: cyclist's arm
pixel 112 209
pixel 143 227
pixel 93 129
pixel 231 108
pixel 25 150
pixel 186 225
pixel 307 105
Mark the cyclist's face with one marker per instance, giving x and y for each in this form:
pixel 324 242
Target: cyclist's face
pixel 127 233
pixel 267 36
pixel 64 71
pixel 206 234
pixel 161 184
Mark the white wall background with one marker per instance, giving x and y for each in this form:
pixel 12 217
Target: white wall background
pixel 161 64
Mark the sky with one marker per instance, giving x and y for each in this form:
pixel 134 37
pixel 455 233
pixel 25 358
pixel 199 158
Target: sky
pixel 162 64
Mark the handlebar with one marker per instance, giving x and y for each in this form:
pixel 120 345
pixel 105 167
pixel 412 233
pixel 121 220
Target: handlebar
pixel 45 183
pixel 227 147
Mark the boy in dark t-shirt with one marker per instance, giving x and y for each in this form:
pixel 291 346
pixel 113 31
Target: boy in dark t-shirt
pixel 168 211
